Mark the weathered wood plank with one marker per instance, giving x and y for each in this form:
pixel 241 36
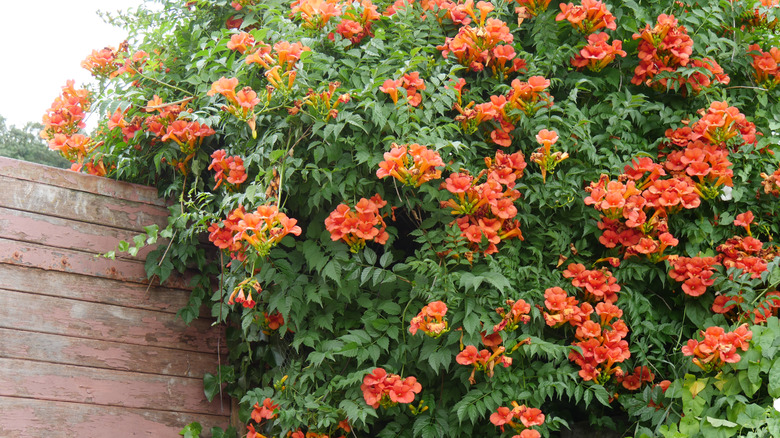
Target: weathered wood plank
pixel 68 317
pixel 81 206
pixel 86 288
pixel 68 383
pixel 29 418
pixel 58 349
pixel 78 181
pixel 66 233
pixel 79 262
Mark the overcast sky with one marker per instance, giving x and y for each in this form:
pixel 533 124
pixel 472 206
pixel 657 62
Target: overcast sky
pixel 42 44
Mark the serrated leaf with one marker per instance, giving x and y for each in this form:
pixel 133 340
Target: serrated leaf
pixel 370 256
pixel 333 271
pixel 385 260
pixel 471 323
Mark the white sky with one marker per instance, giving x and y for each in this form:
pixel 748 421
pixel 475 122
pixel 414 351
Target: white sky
pixel 42 44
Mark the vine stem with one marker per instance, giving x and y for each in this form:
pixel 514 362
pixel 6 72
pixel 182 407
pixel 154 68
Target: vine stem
pixel 163 105
pixel 219 340
pixel 164 83
pixel 679 338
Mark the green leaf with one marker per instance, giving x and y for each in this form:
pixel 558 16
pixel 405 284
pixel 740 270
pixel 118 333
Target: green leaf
pixel 717 422
pixel 191 430
pixel 211 386
pixel 773 384
pixel 601 394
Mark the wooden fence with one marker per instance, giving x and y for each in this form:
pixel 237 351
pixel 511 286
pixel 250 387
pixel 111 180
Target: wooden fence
pixel 87 348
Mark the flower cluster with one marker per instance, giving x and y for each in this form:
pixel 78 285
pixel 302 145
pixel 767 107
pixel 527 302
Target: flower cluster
pixel 745 253
pixel 66 114
pixel 170 124
pixel 267 411
pixel 241 42
pixel 597 285
pixel 562 308
pixel 587 17
pixel 481 47
pixel 430 320
pixel 598 53
pixel 242 294
pixel 664 49
pixel 157 124
pixel 224 236
pixel 62 123
pixel 602 345
pixel 315 14
pixel 355 227
pixel 634 214
pixel 424 162
pixel 241 104
pixel 187 134
pixel 356 23
pixel 261 230
pixel 544 156
pixel 271 322
pixel 760 18
pixel 695 273
pixel 525 98
pixel 103 63
pixel 233 166
pixel 532 7
pixel 110 62
pixel 518 313
pixel 709 164
pixel 486 360
pixel 734 307
pixel 411 82
pixel 709 73
pixel 724 126
pixel 322 104
pixel 487 210
pixel 386 390
pixel 771 183
pixel 528 418
pixel 634 381
pixel 279 62
pixel 117 120
pixel 719 347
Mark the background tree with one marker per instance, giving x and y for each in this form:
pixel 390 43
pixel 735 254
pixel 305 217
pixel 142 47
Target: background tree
pixel 26 144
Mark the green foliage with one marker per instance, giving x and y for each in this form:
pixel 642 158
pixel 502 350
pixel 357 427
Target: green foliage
pixel 320 314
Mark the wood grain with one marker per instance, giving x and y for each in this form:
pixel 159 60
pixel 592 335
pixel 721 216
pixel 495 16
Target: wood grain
pixel 30 418
pixel 94 289
pixel 67 233
pixel 33 255
pixel 67 383
pixel 68 317
pixel 67 350
pixel 68 179
pixel 81 206
pixel 88 348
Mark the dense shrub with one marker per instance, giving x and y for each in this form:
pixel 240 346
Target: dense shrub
pixel 462 219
